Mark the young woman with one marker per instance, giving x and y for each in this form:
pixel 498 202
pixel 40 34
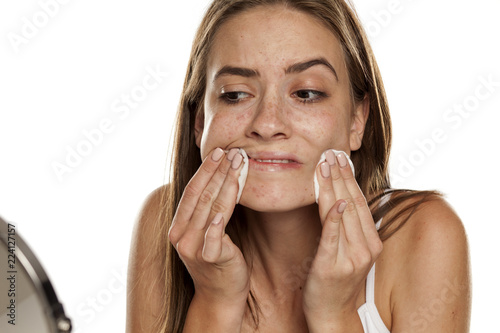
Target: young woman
pixel 286 81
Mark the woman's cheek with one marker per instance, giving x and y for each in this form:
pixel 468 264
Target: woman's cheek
pixel 334 125
pixel 221 130
pixel 320 127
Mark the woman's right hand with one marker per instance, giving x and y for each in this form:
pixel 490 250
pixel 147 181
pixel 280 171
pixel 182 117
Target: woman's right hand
pixel 216 265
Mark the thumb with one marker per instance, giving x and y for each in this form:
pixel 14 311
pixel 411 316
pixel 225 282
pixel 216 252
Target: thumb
pixel 218 247
pixel 331 233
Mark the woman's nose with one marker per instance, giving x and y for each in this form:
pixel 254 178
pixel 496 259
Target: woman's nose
pixel 270 121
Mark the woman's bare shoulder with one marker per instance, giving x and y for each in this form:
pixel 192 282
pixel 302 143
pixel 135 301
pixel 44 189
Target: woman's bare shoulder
pixel 430 270
pixel 146 265
pixel 152 207
pixel 148 226
pixel 432 222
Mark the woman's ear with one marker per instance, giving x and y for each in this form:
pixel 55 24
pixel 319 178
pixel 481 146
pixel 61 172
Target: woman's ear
pixel 361 113
pixel 199 124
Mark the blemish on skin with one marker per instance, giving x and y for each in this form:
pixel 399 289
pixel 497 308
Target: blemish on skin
pixel 256 192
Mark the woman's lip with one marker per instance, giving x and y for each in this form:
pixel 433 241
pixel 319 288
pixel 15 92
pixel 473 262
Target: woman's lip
pixel 272 165
pixel 273 157
pixel 272 161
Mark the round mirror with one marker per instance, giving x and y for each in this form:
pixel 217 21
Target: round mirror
pixel 28 301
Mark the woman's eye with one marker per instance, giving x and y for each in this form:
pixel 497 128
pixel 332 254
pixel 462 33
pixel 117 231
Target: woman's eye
pixel 234 97
pixel 309 96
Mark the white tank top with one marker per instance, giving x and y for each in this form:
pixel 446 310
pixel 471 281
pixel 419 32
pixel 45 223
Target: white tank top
pixel 370 318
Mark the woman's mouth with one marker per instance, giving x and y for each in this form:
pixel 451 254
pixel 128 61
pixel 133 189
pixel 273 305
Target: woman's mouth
pixel 272 161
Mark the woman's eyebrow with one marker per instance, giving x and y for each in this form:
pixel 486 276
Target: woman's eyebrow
pixel 295 68
pixel 302 66
pixel 239 71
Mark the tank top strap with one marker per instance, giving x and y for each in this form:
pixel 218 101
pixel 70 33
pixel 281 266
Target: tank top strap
pixel 370 279
pixel 374 323
pixel 382 202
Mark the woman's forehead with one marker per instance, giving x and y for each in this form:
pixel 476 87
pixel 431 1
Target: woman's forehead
pixel 268 38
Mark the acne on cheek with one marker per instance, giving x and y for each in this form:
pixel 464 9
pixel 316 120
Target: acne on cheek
pixel 224 127
pixel 257 192
pixel 272 198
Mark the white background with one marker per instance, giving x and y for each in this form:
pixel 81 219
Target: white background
pixel 67 76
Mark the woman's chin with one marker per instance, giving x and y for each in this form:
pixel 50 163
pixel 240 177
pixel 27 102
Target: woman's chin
pixel 276 201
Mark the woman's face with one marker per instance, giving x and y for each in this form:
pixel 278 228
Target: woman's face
pixel 277 86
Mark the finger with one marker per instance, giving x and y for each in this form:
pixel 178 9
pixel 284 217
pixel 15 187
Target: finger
pixel 218 247
pixel 351 220
pixel 229 250
pixel 192 194
pixel 197 184
pixel 202 212
pixel 226 199
pixel 210 203
pixel 359 201
pixel 331 234
pixel 194 230
pixel 212 247
pixel 326 198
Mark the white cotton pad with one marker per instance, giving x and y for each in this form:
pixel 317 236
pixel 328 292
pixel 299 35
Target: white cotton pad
pixel 242 179
pixel 323 159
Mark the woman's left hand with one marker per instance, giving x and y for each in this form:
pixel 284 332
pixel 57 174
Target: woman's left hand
pixel 348 247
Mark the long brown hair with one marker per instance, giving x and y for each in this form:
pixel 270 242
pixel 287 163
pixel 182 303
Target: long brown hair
pixel 370 161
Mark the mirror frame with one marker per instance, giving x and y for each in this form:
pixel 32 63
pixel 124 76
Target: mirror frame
pixel 57 319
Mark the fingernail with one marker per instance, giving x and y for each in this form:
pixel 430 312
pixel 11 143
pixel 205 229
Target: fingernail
pixel 342 207
pixel 330 157
pixel 231 153
pixel 325 169
pixel 236 162
pixel 342 160
pixel 217 154
pixel 217 219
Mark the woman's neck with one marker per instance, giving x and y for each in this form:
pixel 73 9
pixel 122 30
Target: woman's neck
pixel 282 246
